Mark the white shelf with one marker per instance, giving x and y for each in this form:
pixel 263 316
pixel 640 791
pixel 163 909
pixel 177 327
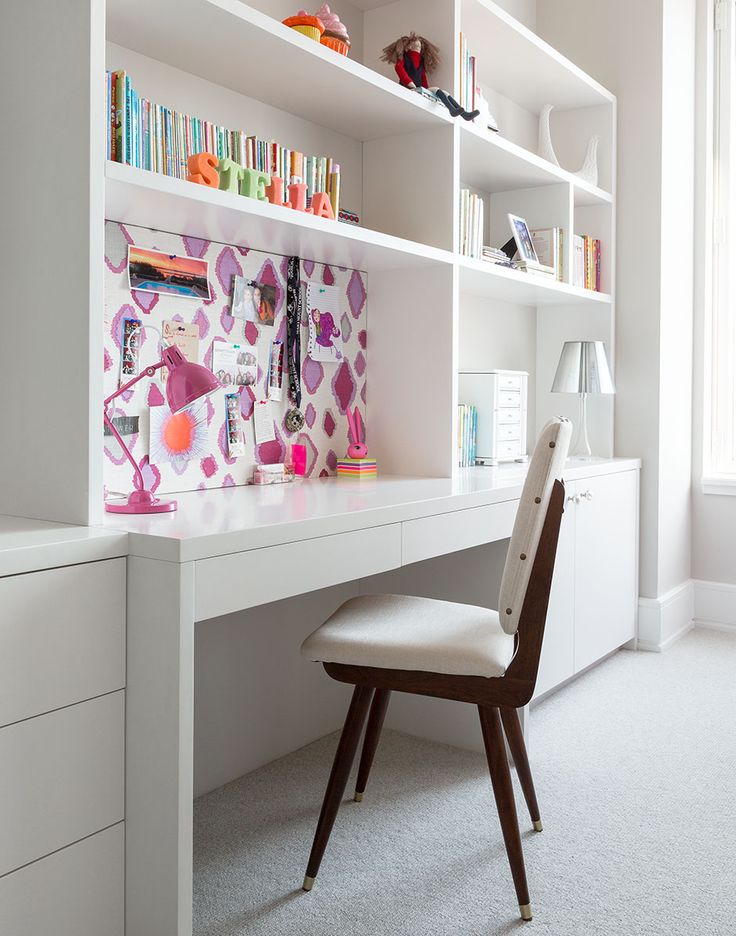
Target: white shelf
pixel 237 47
pixel 515 62
pixel 148 199
pixel 479 278
pixel 492 163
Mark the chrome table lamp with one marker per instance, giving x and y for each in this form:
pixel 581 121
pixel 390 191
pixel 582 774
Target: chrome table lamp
pixel 583 369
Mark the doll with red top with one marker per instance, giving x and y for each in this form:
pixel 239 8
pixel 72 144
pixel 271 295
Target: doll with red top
pixel 414 57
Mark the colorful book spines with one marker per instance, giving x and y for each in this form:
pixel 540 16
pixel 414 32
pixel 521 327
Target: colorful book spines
pixel 149 136
pixel 467 427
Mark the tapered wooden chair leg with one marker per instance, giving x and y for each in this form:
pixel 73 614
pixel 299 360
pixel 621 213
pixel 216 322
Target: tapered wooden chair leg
pixel 370 742
pixel 503 790
pixel 344 757
pixel 515 736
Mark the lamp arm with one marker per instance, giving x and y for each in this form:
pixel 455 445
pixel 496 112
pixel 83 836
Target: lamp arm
pixel 148 372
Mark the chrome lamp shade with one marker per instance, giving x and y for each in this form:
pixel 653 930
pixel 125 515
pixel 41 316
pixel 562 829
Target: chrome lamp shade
pixel 583 369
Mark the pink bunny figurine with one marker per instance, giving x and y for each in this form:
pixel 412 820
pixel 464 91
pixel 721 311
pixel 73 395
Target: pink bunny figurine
pixel 357 447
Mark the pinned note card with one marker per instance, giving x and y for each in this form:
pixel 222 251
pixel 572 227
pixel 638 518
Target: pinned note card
pixel 323 310
pixel 263 422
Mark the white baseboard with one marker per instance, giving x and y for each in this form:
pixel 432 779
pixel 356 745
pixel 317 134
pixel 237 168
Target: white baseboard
pixel 715 605
pixel 664 620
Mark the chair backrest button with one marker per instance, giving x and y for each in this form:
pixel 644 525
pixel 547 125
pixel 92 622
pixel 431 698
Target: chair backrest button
pixel 552 444
pixel 522 556
pixel 537 500
pixel 508 611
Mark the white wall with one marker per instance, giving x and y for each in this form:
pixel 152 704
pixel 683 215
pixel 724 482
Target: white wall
pixel 644 53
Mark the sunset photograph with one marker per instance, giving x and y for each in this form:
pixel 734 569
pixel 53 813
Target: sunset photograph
pixel 154 271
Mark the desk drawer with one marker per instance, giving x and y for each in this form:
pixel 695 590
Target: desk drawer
pixel 461 529
pixel 61 778
pixel 78 891
pixel 247 579
pixel 62 637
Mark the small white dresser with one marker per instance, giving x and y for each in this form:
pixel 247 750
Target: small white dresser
pixel 62 730
pixel 500 397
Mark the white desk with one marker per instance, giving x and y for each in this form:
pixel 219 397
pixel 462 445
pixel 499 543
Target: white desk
pixel 236 548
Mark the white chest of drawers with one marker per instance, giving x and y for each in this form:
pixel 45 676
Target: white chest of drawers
pixel 500 397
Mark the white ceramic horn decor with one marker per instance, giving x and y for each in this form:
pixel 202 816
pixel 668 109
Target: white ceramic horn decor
pixel 588 172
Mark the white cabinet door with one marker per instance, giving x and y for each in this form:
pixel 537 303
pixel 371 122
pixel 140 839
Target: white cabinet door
pixel 557 660
pixel 605 565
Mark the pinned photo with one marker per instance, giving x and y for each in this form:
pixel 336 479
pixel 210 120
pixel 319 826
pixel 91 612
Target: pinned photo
pixel 234 365
pixel 253 301
pixel 167 274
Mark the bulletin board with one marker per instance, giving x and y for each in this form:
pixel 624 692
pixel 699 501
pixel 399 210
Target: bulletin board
pixel 329 387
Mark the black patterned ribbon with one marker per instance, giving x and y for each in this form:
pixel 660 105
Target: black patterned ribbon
pixel 293 329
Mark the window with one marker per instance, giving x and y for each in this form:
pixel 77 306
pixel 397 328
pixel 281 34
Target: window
pixel 720 378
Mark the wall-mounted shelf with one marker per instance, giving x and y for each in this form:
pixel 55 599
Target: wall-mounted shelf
pixel 148 199
pixel 479 278
pixel 515 62
pixel 259 57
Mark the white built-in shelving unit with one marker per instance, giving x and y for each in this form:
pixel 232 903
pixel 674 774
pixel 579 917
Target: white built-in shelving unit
pixel 431 311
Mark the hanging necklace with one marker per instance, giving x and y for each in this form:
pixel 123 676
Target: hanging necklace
pixel 294 420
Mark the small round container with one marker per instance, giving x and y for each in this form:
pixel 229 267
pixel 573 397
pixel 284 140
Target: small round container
pixel 342 46
pixel 309 26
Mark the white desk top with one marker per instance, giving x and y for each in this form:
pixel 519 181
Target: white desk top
pixel 30 545
pixel 229 520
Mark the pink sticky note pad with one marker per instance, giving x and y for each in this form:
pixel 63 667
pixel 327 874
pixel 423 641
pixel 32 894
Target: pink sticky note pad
pixel 299 458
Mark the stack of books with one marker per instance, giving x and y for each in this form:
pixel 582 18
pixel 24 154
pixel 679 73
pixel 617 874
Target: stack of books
pixel 467 429
pixel 586 262
pixel 468 76
pixel 497 256
pixel 548 245
pixel 150 136
pixel 471 224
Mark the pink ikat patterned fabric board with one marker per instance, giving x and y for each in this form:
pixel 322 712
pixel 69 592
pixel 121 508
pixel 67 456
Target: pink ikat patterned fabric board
pixel 327 388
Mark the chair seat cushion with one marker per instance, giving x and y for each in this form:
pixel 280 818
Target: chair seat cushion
pixel 400 632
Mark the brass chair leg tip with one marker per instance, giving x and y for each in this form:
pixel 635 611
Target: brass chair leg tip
pixel 308 883
pixel 526 911
pixel 538 825
pixel 358 798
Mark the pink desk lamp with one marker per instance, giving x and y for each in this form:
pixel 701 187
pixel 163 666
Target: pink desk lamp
pixel 186 383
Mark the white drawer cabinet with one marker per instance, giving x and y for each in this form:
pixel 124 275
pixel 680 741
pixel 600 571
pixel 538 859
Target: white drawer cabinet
pixel 61 778
pixel 62 637
pixel 592 609
pixel 77 891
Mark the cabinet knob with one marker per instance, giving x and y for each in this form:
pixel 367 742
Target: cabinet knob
pixel 588 495
pixel 573 499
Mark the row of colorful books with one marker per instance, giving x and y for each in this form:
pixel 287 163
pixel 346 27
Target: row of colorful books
pixel 149 136
pixel 471 224
pixel 467 430
pixel 586 262
pixel 468 76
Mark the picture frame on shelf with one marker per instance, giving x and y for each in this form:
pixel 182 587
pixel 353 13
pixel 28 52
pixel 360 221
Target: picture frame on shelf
pixel 523 239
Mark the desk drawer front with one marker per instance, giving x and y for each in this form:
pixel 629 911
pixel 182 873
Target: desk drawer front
pixel 247 579
pixel 61 778
pixel 461 529
pixel 62 637
pixel 75 892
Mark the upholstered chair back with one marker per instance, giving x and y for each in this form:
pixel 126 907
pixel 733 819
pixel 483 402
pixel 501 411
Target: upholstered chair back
pixel 545 467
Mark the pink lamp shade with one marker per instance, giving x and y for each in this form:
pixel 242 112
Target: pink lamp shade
pixel 186 383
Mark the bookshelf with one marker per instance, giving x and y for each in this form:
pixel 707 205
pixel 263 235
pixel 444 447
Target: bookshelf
pixel 403 163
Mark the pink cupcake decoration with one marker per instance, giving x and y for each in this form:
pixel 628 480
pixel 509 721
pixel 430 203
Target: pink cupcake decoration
pixel 335 35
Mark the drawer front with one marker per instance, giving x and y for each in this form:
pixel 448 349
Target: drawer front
pixel 508 449
pixel 247 579
pixel 510 398
pixel 62 637
pixel 510 432
pixel 79 891
pixel 505 416
pixel 61 778
pixel 509 381
pixel 461 529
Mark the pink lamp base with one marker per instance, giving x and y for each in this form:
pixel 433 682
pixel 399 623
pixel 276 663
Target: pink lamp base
pixel 141 502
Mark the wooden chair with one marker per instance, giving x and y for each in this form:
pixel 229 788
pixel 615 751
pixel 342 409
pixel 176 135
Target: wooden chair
pixel 382 643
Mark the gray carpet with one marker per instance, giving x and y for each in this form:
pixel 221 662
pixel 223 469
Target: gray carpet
pixel 635 768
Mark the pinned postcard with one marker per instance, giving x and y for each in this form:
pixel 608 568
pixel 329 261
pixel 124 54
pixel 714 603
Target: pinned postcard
pixel 184 336
pixel 234 365
pixel 234 426
pixel 242 304
pixel 158 272
pixel 323 310
pixel 263 422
